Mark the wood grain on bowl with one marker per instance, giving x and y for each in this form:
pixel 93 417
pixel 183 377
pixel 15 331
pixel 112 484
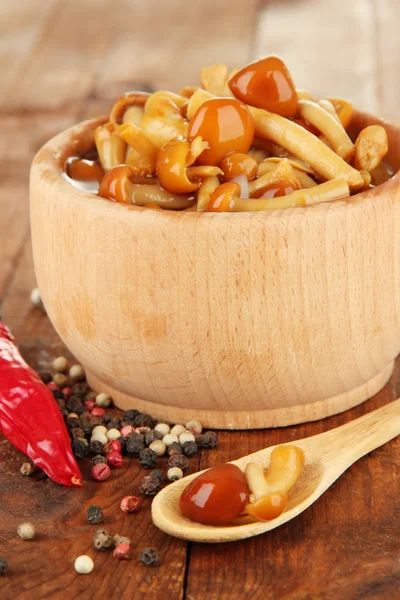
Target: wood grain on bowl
pixel 241 320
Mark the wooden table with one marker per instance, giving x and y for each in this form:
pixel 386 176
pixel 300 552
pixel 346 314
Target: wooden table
pixel 61 62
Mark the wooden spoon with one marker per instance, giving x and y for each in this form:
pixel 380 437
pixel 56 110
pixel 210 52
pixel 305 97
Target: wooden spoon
pixel 327 456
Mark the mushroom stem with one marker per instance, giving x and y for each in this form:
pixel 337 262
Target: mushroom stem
pixel 256 479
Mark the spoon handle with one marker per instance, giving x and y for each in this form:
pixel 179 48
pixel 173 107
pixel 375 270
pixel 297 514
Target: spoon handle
pixel 359 437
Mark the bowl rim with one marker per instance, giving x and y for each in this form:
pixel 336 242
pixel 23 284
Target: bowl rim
pixel 50 160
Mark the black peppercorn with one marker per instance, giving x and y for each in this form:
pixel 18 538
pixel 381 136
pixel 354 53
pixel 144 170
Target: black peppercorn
pixel 174 448
pixel 73 421
pixel 178 460
pixel 149 556
pixel 134 444
pixel 96 447
pixel 58 395
pixel 61 404
pixel 208 440
pixel 150 486
pixel 99 459
pixel 80 389
pixel 130 416
pixel 147 458
pixel 122 441
pixel 189 449
pixel 114 423
pixel 94 514
pixel 107 418
pixel 101 540
pixel 144 420
pixel 80 448
pixel 151 436
pixel 75 404
pixel 45 376
pixel 157 474
pixel 3 566
pixel 77 433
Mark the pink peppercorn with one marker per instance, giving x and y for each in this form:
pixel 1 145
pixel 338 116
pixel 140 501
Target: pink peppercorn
pixel 90 404
pixel 130 504
pixel 52 386
pixel 67 392
pixel 100 472
pixel 142 430
pixel 126 430
pixel 114 459
pixel 98 412
pixel 121 551
pixel 113 446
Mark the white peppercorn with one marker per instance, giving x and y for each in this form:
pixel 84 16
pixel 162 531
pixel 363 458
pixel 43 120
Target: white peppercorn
pixel 174 473
pixel 36 298
pixel 194 427
pixel 186 436
pixel 60 379
pixel 163 428
pixel 99 437
pixel 60 364
pixel 99 429
pixel 103 400
pixel 77 373
pixel 169 439
pixel 177 430
pixel 27 469
pixel 84 564
pixel 113 434
pixel 26 531
pixel 158 447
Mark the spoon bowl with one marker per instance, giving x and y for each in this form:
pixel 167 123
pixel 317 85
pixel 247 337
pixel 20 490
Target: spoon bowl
pixel 327 456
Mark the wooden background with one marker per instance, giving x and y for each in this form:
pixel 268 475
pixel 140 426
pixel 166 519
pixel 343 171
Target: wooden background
pixel 62 61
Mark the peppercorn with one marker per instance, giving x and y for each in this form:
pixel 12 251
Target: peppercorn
pixel 77 373
pixel 3 566
pixel 163 428
pixel 174 473
pixel 60 379
pixel 73 420
pixel 36 298
pixel 26 531
pixel 60 364
pixel 27 469
pixel 80 448
pixel 122 443
pixel 113 434
pixel 121 539
pixel 90 395
pixel 130 416
pixel 152 436
pixel 77 433
pixel 114 459
pixel 121 552
pixel 101 540
pixel 52 386
pixel 67 392
pixel 208 440
pixel 99 429
pixel 98 412
pixel 80 389
pixel 103 400
pixel 75 404
pixel 100 472
pixel 157 474
pixel 189 449
pixel 158 447
pixel 96 447
pixel 58 395
pixel 99 437
pixel 148 458
pixel 126 430
pixel 114 423
pixel 134 444
pixel 169 439
pixel 150 486
pixel 174 448
pixel 144 420
pixel 112 446
pixel 129 504
pixel 94 514
pixel 45 376
pixel 178 460
pixel 178 430
pixel 90 404
pixel 149 556
pixel 194 427
pixel 186 436
pixel 84 564
pixel 99 460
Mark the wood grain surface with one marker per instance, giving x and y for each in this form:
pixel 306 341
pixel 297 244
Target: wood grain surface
pixel 64 61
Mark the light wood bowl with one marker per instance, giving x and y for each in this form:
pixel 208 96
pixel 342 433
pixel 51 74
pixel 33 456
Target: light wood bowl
pixel 245 320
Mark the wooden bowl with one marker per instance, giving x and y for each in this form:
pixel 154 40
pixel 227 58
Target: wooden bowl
pixel 243 320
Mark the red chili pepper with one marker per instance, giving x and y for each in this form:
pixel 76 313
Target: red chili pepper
pixel 30 417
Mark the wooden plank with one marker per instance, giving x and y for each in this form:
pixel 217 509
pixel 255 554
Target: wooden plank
pixel 329 48
pixel 345 546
